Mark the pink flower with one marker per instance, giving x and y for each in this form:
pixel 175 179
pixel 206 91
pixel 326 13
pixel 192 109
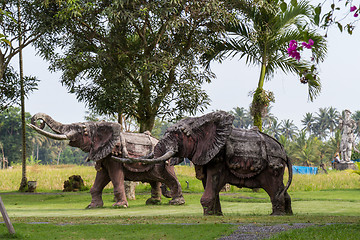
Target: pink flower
pixel 308 45
pixel 353 8
pixel 356 15
pixel 292 50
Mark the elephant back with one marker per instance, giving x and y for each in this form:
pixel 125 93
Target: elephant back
pixel 248 151
pixel 137 145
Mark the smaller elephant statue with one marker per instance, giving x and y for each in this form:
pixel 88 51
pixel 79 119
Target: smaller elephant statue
pixel 223 154
pixel 105 140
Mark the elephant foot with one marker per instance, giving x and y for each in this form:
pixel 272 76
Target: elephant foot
pixel 153 201
pixel 177 201
pixel 94 205
pixel 121 204
pixel 209 212
pixel 277 213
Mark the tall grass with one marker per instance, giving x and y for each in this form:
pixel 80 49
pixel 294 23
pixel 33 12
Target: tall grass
pixel 52 177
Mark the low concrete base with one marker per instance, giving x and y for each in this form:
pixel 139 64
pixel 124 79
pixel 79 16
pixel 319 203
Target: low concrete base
pixel 344 166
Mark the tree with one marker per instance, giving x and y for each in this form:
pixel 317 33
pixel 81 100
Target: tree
pixel 137 58
pixel 242 117
pixel 288 128
pixel 305 148
pixel 308 122
pixel 10 46
pixel 11 134
pixel 262 35
pixel 274 129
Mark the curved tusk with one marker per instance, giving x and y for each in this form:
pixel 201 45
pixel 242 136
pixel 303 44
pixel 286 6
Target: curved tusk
pixel 163 158
pixel 47 134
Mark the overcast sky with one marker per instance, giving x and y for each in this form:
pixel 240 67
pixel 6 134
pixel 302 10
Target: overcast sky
pixel 339 76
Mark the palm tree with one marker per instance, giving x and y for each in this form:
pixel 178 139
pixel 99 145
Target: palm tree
pixel 288 128
pixel 356 117
pixel 274 129
pixel 322 123
pixel 37 140
pixel 242 117
pixel 262 35
pixel 333 119
pixel 305 149
pixel 308 122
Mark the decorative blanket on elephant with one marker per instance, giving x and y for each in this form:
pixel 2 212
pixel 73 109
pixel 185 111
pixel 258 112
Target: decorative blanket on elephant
pixel 138 145
pixel 246 153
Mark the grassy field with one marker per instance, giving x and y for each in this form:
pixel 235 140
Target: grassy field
pixel 51 179
pixel 51 214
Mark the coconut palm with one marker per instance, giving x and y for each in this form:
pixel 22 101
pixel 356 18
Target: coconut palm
pixel 308 122
pixel 262 35
pixel 305 148
pixel 288 128
pixel 333 119
pixel 274 129
pixel 242 117
pixel 356 117
pixel 322 123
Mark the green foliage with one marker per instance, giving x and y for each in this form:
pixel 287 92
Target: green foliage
pixel 136 58
pixel 358 170
pixel 10 134
pixel 261 36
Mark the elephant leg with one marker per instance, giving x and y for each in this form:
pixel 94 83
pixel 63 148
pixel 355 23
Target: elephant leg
pixel 210 200
pixel 288 209
pixel 275 188
pixel 155 194
pixel 116 173
pixel 175 188
pixel 101 180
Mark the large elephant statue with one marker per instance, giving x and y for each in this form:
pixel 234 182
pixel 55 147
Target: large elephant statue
pixel 223 154
pixel 103 141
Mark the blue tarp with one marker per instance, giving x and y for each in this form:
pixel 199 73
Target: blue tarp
pixel 304 170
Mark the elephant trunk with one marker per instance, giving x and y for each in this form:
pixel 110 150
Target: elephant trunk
pixel 163 158
pixel 54 125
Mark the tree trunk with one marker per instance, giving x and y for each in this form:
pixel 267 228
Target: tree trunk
pixel 257 103
pixel 23 184
pixel 130 190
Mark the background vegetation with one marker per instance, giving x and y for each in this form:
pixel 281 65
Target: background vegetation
pixel 314 142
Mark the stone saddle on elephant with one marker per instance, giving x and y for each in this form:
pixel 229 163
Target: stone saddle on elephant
pixel 105 140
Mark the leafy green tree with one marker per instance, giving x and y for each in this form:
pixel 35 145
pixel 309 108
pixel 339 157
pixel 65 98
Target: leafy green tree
pixel 262 35
pixel 11 132
pixel 138 58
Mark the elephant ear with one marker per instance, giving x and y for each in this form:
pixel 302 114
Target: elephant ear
pixel 104 136
pixel 211 132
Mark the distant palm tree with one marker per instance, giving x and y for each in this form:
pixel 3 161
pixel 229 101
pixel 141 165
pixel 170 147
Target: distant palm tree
pixel 274 129
pixel 268 118
pixel 322 123
pixel 308 122
pixel 262 36
pixel 356 117
pixel 242 117
pixel 333 119
pixel 288 128
pixel 305 148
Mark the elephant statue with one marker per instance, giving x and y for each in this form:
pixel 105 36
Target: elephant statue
pixel 103 141
pixel 223 154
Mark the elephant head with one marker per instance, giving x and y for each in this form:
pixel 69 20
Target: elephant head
pixel 97 138
pixel 199 138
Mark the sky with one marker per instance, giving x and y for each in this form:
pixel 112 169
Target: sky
pixel 339 75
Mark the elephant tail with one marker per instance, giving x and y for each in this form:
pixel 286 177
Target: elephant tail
pixel 289 166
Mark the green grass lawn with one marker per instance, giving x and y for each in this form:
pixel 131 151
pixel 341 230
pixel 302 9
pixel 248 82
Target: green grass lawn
pixel 52 214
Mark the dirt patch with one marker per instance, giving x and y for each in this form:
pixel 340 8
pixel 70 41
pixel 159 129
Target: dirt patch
pixel 262 231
